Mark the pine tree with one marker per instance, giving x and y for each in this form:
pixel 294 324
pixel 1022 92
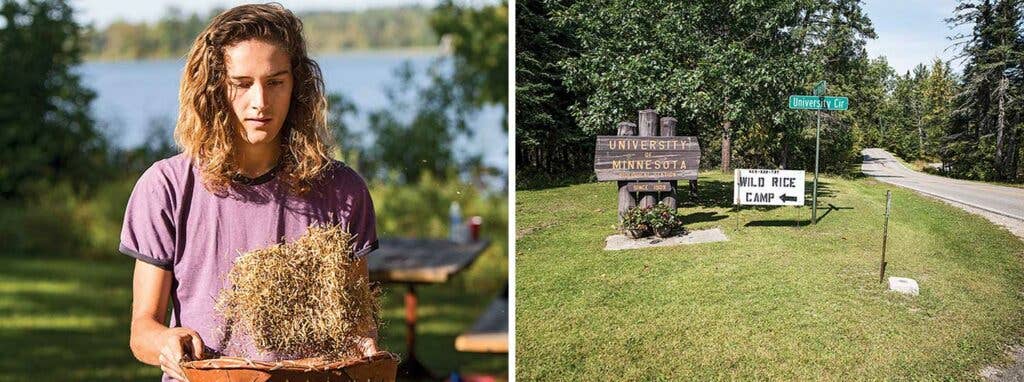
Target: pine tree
pixel 1006 70
pixel 548 140
pixel 983 140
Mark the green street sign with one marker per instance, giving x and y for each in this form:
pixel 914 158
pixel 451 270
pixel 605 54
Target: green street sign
pixel 818 103
pixel 819 89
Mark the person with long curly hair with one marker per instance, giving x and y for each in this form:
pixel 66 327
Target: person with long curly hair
pixel 254 170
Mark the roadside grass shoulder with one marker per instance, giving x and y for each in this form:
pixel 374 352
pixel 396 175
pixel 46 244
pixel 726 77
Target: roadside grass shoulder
pixel 781 300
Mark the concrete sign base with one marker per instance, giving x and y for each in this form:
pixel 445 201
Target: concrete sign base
pixel 619 242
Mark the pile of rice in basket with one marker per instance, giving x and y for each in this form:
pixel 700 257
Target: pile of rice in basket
pixel 303 299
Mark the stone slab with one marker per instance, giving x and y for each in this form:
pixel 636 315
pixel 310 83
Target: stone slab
pixel 619 242
pixel 904 285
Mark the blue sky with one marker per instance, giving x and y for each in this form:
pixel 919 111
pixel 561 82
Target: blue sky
pixel 909 31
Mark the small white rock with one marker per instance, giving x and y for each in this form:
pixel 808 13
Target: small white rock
pixel 903 285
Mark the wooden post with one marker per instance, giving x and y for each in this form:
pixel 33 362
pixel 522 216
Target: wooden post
pixel 648 123
pixel 885 236
pixel 648 127
pixel 626 199
pixel 627 128
pixel 668 129
pixel 726 145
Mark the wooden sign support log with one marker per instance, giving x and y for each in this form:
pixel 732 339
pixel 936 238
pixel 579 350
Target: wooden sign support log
pixel 626 199
pixel 627 128
pixel 648 124
pixel 668 129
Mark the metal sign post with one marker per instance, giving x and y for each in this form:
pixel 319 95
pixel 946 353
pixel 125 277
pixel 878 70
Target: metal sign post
pixel 817 150
pixel 819 90
pixel 817 102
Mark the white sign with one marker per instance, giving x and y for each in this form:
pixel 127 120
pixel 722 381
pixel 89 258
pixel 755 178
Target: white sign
pixel 768 188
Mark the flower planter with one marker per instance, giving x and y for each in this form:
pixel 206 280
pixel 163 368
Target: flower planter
pixel 382 366
pixel 636 233
pixel 664 232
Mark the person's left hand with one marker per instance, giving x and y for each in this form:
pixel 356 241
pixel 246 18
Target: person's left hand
pixel 368 346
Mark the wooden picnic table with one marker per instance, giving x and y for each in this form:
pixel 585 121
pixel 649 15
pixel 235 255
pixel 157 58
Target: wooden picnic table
pixel 412 261
pixel 490 332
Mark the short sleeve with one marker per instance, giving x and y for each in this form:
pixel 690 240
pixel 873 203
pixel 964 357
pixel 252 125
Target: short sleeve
pixel 148 231
pixel 363 220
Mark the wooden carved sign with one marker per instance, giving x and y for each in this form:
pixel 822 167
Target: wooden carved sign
pixel 649 187
pixel 646 158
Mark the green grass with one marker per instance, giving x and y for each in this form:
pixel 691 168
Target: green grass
pixel 777 301
pixel 68 320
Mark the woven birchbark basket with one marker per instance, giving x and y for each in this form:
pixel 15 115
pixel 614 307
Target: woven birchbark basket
pixel 382 366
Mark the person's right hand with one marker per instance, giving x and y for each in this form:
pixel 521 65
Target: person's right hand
pixel 179 344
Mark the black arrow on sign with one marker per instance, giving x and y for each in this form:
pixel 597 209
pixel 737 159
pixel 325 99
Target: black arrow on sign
pixel 788 198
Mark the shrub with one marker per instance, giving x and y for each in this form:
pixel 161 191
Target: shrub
pixel 641 221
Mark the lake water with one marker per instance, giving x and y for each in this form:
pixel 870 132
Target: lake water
pixel 132 95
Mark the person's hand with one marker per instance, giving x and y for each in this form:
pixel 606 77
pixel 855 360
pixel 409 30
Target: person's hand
pixel 368 346
pixel 179 344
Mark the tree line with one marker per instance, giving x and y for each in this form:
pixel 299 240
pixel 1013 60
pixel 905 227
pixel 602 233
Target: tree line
pixel 326 32
pixel 50 135
pixel 725 69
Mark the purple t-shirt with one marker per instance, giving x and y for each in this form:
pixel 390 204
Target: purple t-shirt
pixel 174 222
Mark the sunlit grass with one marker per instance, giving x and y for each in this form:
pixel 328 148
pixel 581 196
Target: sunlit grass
pixel 67 320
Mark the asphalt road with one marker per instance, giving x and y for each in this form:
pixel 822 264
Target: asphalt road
pixel 1005 201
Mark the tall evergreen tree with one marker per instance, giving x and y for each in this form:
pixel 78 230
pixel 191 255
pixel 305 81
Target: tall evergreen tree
pixel 983 140
pixel 1005 63
pixel 548 140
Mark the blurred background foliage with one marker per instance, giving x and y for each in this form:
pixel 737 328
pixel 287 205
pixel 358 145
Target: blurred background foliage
pixel 61 175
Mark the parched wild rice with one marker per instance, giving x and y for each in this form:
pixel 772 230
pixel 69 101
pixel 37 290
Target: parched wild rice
pixel 302 299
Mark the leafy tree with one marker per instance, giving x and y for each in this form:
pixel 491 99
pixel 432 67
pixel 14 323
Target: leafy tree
pixel 406 148
pixel 708 63
pixel 906 112
pixel 877 87
pixel 834 44
pixel 479 43
pixel 937 91
pixel 415 135
pixel 46 128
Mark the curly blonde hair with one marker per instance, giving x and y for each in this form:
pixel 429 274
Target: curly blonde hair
pixel 206 130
